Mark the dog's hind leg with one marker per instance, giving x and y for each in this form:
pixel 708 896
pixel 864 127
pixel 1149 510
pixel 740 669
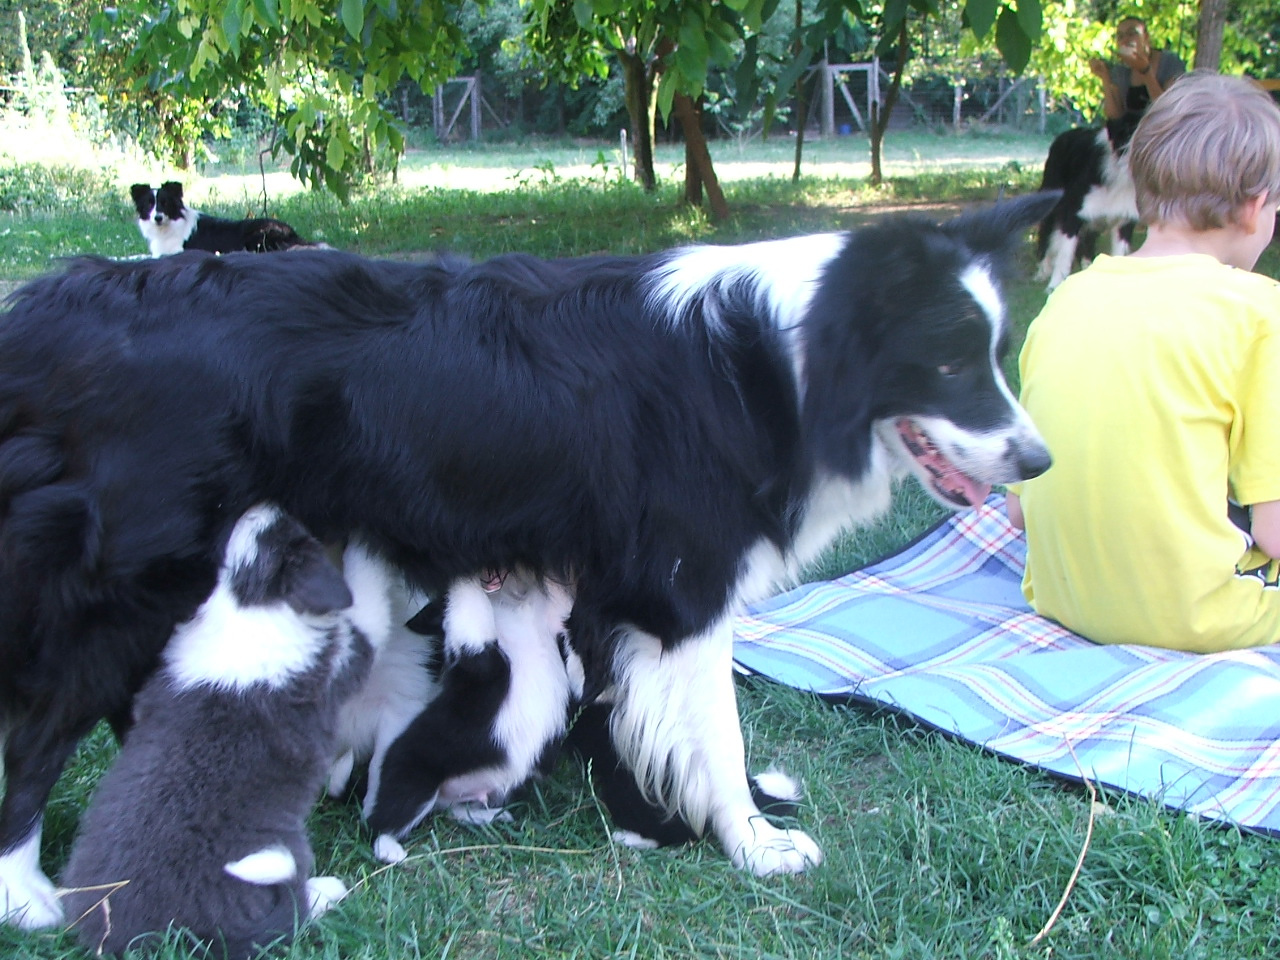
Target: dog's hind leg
pixel 33 759
pixel 675 723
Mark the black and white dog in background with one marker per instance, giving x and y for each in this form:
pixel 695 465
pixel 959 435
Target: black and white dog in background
pixel 170 226
pixel 1090 165
pixel 200 822
pixel 673 434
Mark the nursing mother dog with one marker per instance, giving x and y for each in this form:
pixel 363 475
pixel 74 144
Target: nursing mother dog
pixel 673 434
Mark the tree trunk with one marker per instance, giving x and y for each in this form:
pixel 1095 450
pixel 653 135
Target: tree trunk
pixel 879 116
pixel 639 97
pixel 802 102
pixel 1213 17
pixel 699 172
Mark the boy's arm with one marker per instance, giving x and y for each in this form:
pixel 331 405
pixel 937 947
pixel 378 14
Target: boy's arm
pixel 1265 527
pixel 1013 507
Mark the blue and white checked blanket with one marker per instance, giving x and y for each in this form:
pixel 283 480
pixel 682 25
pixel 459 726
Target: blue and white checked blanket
pixel 941 631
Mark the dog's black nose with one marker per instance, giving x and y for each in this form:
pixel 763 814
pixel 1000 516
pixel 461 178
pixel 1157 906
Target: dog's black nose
pixel 159 217
pixel 1031 460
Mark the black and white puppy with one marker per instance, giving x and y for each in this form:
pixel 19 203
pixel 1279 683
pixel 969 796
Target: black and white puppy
pixel 505 681
pixel 200 822
pixel 170 226
pixel 1090 166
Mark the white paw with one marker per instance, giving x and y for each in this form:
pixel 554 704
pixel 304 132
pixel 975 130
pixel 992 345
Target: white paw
pixel 323 893
pixel 770 850
pixel 629 838
pixel 479 815
pixel 29 902
pixel 388 849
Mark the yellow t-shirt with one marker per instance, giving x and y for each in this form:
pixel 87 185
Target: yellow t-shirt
pixel 1156 384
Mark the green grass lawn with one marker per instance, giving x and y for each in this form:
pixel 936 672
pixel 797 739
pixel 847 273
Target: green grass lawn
pixel 934 848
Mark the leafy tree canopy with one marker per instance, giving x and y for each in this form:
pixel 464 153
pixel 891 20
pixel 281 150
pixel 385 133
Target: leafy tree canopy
pixel 320 66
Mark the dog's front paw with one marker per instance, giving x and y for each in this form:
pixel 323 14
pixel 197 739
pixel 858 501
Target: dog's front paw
pixel 636 841
pixel 323 893
pixel 769 849
pixel 388 849
pixel 28 900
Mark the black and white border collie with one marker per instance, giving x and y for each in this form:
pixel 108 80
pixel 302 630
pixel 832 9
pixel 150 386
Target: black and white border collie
pixel 1090 165
pixel 170 226
pixel 200 822
pixel 673 434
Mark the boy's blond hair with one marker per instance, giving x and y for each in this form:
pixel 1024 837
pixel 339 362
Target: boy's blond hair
pixel 1205 147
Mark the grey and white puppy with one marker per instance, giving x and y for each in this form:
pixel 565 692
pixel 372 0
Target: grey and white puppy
pixel 199 824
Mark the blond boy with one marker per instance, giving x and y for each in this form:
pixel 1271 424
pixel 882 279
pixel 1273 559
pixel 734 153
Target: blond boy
pixel 1155 379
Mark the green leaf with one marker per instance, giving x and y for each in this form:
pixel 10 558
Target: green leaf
pixel 666 93
pixel 353 17
pixel 981 14
pixel 231 19
pixel 335 152
pixel 268 11
pixel 583 15
pixel 894 12
pixel 1014 45
pixel 1030 17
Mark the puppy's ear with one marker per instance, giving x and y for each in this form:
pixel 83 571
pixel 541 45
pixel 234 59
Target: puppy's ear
pixel 429 621
pixel 140 192
pixel 311 584
pixel 172 187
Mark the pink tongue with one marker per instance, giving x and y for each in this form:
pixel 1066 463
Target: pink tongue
pixel 953 481
pixel 947 480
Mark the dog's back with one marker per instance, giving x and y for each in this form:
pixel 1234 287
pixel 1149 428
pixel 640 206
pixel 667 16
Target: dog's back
pixel 199 824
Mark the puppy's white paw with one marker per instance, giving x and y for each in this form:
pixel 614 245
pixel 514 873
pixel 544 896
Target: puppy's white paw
pixel 29 902
pixel 323 893
pixel 629 838
pixel 388 849
pixel 768 850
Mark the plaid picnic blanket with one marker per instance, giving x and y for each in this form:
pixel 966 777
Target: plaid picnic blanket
pixel 940 631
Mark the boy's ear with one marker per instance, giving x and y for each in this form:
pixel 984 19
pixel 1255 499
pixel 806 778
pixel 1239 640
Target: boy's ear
pixel 1251 212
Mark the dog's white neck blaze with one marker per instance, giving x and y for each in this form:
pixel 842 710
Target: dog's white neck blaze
pixel 784 271
pixel 785 274
pixel 229 645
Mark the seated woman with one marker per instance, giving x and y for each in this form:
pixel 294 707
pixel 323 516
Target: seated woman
pixel 1141 76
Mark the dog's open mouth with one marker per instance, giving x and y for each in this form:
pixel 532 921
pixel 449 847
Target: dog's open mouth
pixel 948 481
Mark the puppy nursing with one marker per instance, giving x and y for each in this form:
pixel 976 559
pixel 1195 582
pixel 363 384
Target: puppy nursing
pixel 505 679
pixel 200 822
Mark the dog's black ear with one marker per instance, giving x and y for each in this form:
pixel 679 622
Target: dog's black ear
pixel 995 228
pixel 429 621
pixel 310 584
pixel 140 192
pixel 172 187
